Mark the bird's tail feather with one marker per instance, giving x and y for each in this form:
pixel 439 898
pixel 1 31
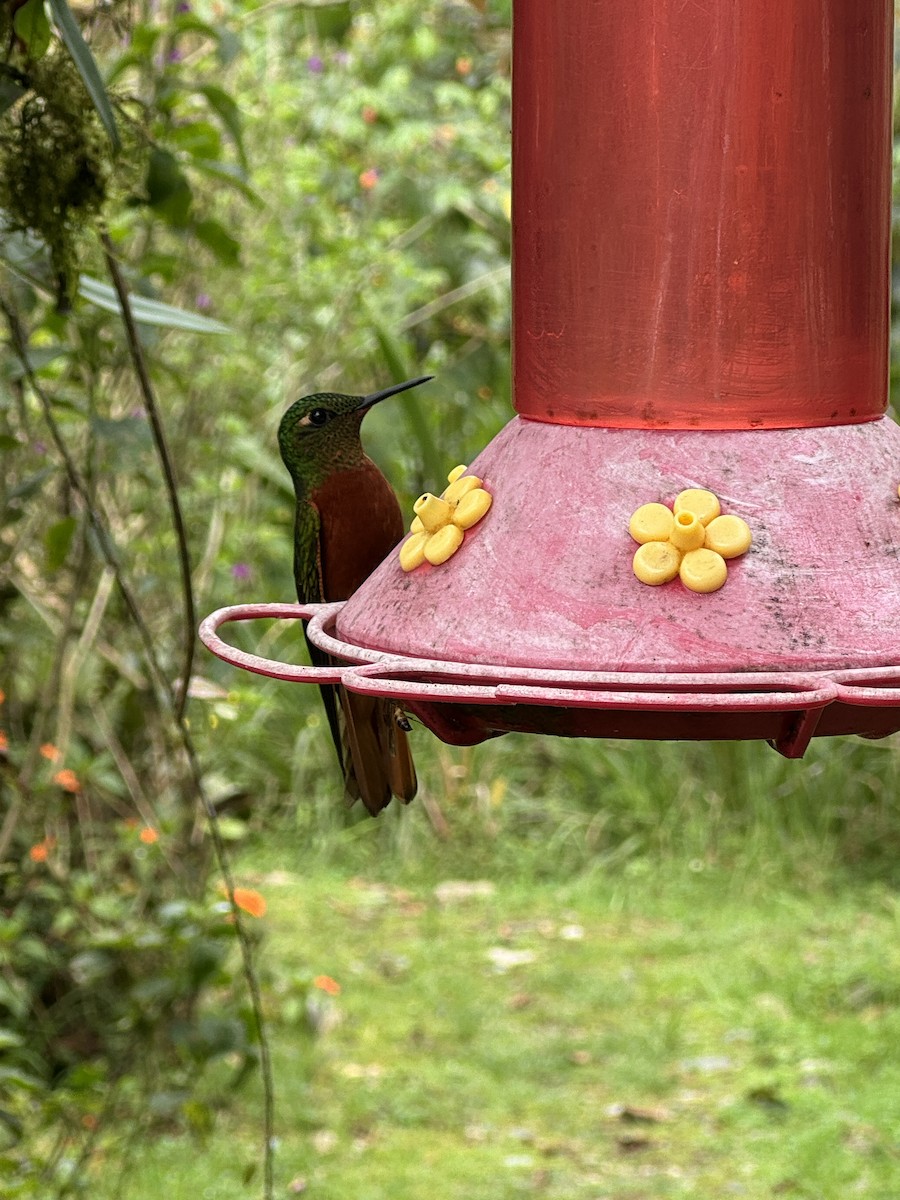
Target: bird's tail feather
pixel 377 759
pixel 329 694
pixel 373 751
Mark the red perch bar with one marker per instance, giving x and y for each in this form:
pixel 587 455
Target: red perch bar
pixel 701 212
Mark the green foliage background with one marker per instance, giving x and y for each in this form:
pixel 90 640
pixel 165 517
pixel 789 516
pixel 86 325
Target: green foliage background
pixel 306 196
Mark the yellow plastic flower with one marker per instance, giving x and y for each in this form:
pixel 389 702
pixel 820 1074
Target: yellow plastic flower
pixel 440 523
pixel 691 540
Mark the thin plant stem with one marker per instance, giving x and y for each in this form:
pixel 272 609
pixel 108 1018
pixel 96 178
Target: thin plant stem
pixel 167 464
pixel 8 828
pixel 180 701
pixel 433 307
pixel 250 974
pixel 79 487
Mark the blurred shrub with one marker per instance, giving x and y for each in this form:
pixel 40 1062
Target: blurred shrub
pixel 118 986
pixel 116 995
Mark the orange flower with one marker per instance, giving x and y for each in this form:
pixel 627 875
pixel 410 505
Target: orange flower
pixel 368 179
pixel 369 114
pixel 464 66
pixel 67 780
pixel 250 901
pixel 2 695
pixel 4 741
pixel 41 852
pixel 326 984
pixel 149 835
pixel 50 752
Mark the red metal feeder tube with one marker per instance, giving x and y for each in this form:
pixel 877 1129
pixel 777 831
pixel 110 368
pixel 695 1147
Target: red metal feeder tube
pixel 701 212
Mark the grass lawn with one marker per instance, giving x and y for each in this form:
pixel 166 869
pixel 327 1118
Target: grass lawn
pixel 681 1031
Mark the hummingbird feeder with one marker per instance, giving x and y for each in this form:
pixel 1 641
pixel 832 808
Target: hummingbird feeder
pixel 693 525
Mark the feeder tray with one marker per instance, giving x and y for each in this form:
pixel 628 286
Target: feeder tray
pixel 700 300
pixel 538 623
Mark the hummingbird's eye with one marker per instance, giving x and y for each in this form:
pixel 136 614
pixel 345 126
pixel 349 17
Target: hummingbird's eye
pixel 318 416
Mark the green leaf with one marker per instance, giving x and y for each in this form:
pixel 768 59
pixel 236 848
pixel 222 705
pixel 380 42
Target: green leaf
pixel 58 542
pixel 200 139
pixel 331 21
pixel 13 999
pixel 84 1076
pixel 232 174
pixel 87 68
pixel 38 358
pixel 168 190
pixel 10 92
pixel 10 1076
pixel 30 486
pixel 228 113
pixel 32 26
pixel 199 1116
pixel 25 255
pixel 144 39
pixel 146 312
pixel 229 45
pixel 217 238
pixel 188 23
pixel 124 433
pixel 138 54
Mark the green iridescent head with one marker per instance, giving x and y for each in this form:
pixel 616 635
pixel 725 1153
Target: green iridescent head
pixel 320 433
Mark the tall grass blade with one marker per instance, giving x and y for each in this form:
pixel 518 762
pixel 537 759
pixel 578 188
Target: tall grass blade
pixel 400 366
pixel 87 68
pixel 146 312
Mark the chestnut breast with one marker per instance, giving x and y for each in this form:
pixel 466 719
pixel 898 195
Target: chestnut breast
pixel 361 522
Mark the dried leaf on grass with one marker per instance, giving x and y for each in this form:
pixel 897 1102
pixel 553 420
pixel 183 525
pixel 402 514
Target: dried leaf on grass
pixel 632 1143
pixel 638 1114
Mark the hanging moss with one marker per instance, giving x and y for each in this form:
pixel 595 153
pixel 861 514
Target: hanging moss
pixel 55 163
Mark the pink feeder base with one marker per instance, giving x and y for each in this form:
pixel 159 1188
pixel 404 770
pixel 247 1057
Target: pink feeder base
pixel 546 581
pixel 537 623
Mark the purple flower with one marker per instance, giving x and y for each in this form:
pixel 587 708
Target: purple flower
pixel 174 55
pixel 315 65
pixel 240 570
pixel 39 447
pixel 203 301
pixel 182 6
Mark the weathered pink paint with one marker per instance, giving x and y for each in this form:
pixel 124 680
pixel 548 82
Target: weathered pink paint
pixel 545 579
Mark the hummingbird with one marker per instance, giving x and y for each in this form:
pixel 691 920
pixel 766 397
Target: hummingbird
pixel 347 520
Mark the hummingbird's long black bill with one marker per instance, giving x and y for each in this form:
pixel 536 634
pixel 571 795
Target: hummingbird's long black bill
pixel 368 401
